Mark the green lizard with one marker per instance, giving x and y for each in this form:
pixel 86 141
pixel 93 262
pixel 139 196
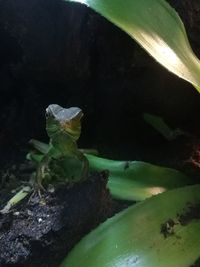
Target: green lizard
pixel 63 127
pixel 60 159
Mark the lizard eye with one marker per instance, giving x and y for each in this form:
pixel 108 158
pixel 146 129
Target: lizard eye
pixel 52 110
pixel 47 115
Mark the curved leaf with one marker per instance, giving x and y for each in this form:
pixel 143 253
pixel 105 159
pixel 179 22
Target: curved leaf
pixel 136 237
pixel 161 126
pixel 156 26
pixel 137 180
pixel 128 180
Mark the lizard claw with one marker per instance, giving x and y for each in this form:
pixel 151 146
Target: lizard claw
pixel 38 191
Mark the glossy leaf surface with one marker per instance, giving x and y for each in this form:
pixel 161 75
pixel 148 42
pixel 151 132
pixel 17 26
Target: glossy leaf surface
pixel 156 26
pixel 137 180
pixel 134 237
pixel 128 180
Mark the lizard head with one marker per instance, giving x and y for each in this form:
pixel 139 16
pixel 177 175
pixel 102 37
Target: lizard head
pixel 65 120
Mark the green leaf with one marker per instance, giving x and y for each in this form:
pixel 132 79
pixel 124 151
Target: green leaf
pixel 19 196
pixel 136 180
pixel 161 231
pixel 128 180
pixel 156 26
pixel 159 124
pixel 35 157
pixel 40 146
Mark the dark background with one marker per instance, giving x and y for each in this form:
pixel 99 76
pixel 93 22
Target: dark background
pixel 57 52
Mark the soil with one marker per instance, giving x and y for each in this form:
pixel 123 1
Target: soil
pixel 166 228
pixel 40 232
pixel 192 212
pixel 58 52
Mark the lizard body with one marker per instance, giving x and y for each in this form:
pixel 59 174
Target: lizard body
pixel 63 127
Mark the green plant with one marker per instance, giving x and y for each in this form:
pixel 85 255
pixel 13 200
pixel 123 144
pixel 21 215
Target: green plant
pixel 16 199
pixel 162 230
pixel 137 180
pixel 128 180
pixel 127 237
pixel 156 26
pixel 61 160
pixel 159 124
pixel 151 233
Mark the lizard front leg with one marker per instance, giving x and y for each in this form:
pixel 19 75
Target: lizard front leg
pixel 40 174
pixel 85 161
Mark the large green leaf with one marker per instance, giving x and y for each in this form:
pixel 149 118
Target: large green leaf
pixel 137 180
pixel 156 26
pixel 152 233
